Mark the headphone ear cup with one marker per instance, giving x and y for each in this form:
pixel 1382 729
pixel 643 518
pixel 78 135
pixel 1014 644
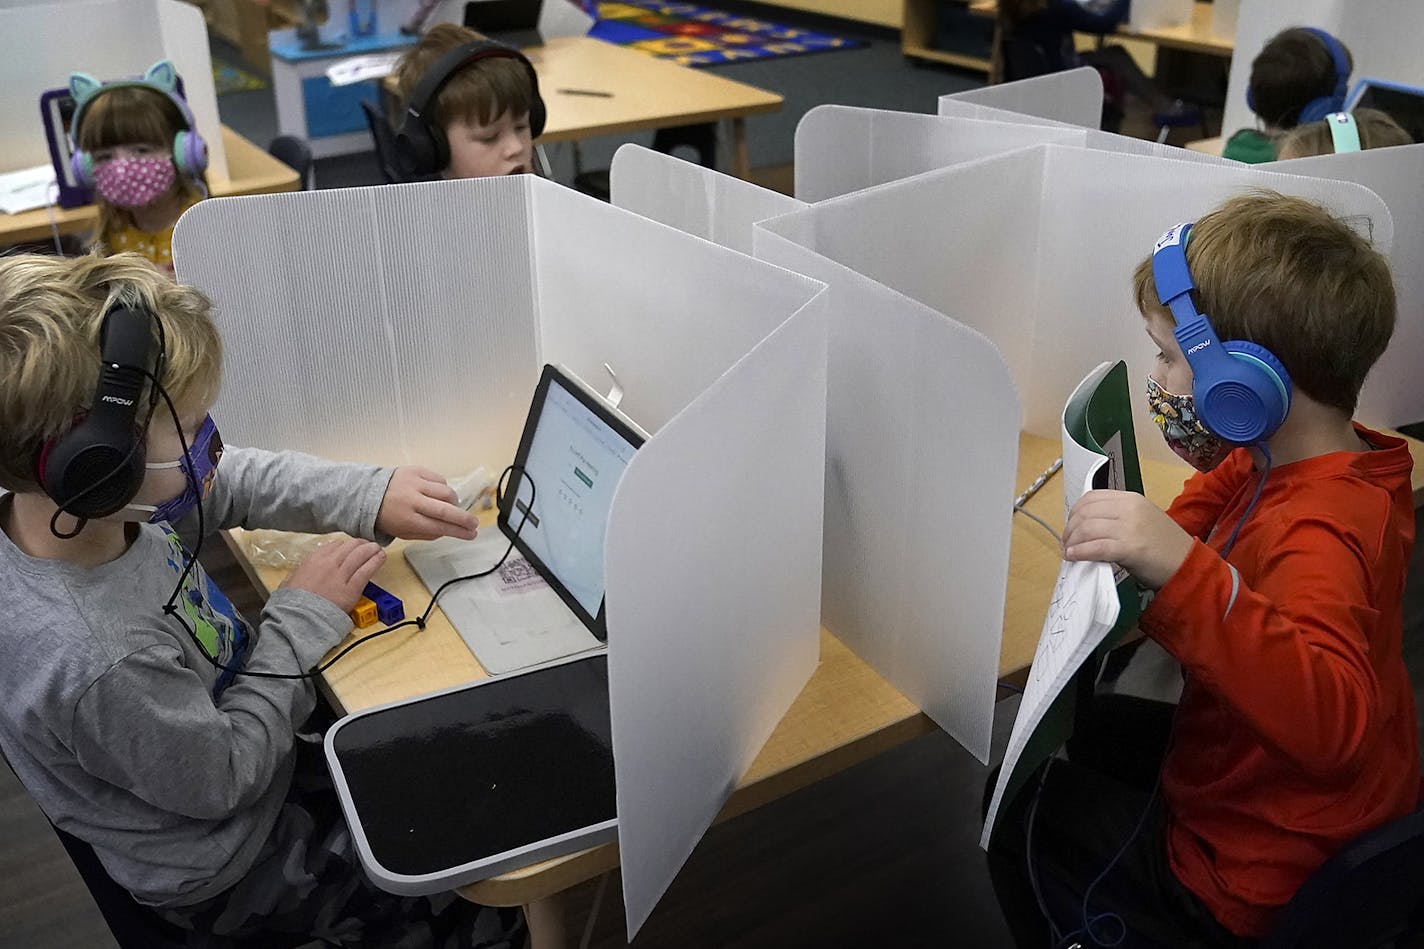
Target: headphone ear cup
pixel 1248 402
pixel 415 150
pixel 81 165
pixel 1317 109
pixel 91 478
pixel 190 154
pixel 538 112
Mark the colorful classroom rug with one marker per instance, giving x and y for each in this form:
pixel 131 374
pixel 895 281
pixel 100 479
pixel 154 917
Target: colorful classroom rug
pixel 697 36
pixel 228 78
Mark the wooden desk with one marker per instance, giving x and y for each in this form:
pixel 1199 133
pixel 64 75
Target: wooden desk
pixel 1208 146
pixel 646 93
pixel 846 714
pixel 250 171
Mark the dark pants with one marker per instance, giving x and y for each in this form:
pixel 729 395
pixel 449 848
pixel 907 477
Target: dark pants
pixel 1100 804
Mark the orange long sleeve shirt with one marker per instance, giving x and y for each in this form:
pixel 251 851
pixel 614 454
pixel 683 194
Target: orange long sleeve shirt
pixel 1296 729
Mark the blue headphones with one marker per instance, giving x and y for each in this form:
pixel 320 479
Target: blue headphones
pixel 1241 390
pixel 1320 107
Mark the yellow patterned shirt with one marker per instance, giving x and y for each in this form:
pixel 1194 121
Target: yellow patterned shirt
pixel 157 246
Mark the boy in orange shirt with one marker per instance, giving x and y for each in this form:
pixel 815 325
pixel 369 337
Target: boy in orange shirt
pixel 1279 574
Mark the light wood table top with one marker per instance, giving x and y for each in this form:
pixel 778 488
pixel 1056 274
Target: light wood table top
pixel 1195 36
pixel 846 713
pixel 1208 146
pixel 250 171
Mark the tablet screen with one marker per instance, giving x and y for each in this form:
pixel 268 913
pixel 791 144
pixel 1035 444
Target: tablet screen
pixel 1404 104
pixel 574 450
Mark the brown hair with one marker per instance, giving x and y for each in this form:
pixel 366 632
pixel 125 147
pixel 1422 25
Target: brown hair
pixel 51 311
pixel 1293 69
pixel 1285 274
pixel 1376 129
pixel 132 115
pixel 478 93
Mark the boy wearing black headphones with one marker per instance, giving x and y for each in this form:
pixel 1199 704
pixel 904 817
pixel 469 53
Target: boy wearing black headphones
pixel 470 107
pixel 142 712
pixel 1279 575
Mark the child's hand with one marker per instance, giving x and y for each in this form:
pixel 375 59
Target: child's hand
pixel 339 571
pixel 419 505
pixel 1124 528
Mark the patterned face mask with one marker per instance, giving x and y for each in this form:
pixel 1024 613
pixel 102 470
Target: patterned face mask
pixel 1176 416
pixel 130 183
pixel 205 452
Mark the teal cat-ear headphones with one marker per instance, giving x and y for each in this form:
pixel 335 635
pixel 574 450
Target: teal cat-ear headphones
pixel 1241 390
pixel 190 152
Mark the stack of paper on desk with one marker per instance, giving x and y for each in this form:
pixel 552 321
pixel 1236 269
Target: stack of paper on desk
pixel 1090 601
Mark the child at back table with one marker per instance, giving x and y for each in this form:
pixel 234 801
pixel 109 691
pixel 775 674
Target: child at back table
pixel 1279 574
pixel 139 148
pixel 142 712
pixel 470 107
pixel 1300 75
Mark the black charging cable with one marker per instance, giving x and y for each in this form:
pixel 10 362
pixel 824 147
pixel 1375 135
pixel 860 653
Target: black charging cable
pixel 171 607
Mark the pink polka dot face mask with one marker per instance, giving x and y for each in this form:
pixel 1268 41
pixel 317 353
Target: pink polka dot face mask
pixel 133 182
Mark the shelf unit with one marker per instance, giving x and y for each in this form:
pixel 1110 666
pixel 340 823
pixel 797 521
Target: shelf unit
pixel 921 26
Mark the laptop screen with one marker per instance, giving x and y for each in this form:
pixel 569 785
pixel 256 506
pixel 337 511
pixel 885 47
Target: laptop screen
pixel 574 450
pixel 1404 104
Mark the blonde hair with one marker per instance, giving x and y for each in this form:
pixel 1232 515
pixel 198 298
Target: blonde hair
pixel 133 115
pixel 1284 273
pixel 1376 129
pixel 479 93
pixel 51 312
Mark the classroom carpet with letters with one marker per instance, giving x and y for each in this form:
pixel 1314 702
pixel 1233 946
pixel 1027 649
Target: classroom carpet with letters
pixel 691 35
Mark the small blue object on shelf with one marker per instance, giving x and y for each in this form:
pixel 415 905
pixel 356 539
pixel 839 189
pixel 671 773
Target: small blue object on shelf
pixel 389 608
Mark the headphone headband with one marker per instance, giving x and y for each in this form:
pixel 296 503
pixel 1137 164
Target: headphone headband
pixel 420 145
pixel 96 467
pixel 1344 132
pixel 1241 390
pixel 1322 106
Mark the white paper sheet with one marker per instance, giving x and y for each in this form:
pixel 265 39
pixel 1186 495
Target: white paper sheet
pixel 1080 614
pixel 26 188
pixel 109 39
pixel 713 564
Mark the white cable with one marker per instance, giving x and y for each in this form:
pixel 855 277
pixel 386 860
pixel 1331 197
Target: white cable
pixel 593 913
pixel 51 198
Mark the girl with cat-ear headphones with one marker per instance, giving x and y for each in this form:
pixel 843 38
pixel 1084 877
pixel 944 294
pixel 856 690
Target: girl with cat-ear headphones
pixel 135 143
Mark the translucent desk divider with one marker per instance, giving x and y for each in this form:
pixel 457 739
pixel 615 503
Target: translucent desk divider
pixel 408 323
pixel 1394 391
pixel 922 432
pixel 840 149
pixel 108 39
pixel 1044 271
pixel 714 585
pixel 693 199
pixel 1071 97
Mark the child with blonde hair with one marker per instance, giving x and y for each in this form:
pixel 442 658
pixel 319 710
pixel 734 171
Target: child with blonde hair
pixel 144 714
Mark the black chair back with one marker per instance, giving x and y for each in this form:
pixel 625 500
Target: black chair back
pixel 384 139
pixel 296 154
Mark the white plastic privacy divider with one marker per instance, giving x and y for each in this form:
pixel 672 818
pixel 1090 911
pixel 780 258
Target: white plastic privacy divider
pixel 1394 393
pixel 840 149
pixel 408 323
pixel 108 39
pixel 1072 97
pixel 1035 249
pixel 714 583
pixel 1382 36
pixel 921 455
pixel 693 199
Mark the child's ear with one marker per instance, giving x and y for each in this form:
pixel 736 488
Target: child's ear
pixel 82 86
pixel 163 75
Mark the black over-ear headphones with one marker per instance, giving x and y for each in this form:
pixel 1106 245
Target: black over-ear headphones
pixel 96 467
pixel 420 146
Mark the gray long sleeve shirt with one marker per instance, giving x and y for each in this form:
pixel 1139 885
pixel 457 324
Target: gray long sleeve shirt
pixel 123 731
